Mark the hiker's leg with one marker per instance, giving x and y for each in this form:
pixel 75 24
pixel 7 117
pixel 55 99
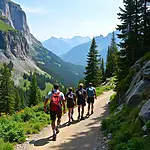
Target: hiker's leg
pixel 69 114
pixel 88 108
pixel 78 111
pixel 92 103
pixel 53 118
pixel 82 111
pixel 53 125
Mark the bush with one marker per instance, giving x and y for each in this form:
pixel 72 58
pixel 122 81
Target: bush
pixel 5 146
pixel 113 103
pixel 146 57
pixel 37 126
pixel 28 114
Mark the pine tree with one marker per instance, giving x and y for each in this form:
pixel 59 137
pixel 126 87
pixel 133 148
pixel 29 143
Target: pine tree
pixel 130 36
pixel 103 70
pixel 34 96
pixel 7 95
pixel 111 63
pixel 93 72
pixel 146 26
pixel 17 101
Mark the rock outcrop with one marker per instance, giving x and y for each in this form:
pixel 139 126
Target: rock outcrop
pixel 13 44
pixel 140 82
pixel 16 16
pixel 145 112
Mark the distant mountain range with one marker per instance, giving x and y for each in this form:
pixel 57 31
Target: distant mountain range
pixel 78 54
pixel 60 46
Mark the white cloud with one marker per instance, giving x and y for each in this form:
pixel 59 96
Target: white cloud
pixel 36 10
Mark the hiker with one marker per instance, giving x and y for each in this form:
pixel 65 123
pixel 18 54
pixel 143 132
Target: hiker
pixel 81 96
pixel 57 99
pixel 91 95
pixel 71 102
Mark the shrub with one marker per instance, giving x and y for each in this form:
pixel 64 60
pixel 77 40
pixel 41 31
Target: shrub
pixel 113 103
pixel 21 140
pixel 5 146
pixel 27 114
pixel 37 126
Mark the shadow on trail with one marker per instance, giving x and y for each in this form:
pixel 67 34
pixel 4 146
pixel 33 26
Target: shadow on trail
pixel 83 140
pixel 45 141
pixel 80 140
pixel 41 142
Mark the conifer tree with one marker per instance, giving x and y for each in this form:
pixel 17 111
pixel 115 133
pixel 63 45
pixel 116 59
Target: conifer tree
pixel 34 96
pixel 103 70
pixel 7 94
pixel 93 70
pixel 17 101
pixel 130 35
pixel 111 63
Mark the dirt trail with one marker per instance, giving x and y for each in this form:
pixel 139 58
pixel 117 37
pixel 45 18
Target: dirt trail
pixel 78 136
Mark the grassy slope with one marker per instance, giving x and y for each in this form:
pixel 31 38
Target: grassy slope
pixel 5 27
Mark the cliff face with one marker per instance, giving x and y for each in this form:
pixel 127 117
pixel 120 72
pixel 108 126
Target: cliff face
pixel 16 17
pixel 13 44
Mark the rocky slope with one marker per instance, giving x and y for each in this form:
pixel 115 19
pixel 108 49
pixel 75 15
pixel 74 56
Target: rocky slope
pixel 26 52
pixel 129 120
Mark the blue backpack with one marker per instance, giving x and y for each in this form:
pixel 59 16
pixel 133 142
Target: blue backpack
pixel 90 91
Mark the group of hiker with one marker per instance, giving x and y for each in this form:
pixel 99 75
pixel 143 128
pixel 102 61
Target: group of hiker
pixel 58 104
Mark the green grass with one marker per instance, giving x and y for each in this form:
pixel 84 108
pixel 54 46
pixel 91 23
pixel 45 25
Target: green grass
pixel 102 89
pixel 5 27
pixel 48 88
pixel 126 128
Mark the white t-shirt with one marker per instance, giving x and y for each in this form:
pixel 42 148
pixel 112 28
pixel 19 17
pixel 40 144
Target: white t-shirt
pixel 49 96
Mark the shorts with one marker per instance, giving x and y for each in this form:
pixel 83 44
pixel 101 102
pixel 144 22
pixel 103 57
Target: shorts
pixel 70 104
pixel 54 114
pixel 81 102
pixel 90 100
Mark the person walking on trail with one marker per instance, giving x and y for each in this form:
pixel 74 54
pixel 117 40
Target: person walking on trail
pixel 81 96
pixel 57 99
pixel 91 95
pixel 71 102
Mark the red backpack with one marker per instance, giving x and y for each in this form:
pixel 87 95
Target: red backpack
pixel 55 104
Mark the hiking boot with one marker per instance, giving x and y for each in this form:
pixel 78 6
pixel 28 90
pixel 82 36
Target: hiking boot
pixel 54 137
pixel 82 118
pixel 88 114
pixel 72 118
pixel 78 117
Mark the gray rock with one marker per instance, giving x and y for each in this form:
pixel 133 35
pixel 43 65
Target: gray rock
pixel 106 142
pixel 145 112
pixel 119 109
pixel 109 136
pixel 133 97
pixel 144 128
pixel 145 136
pixel 104 138
pixel 146 74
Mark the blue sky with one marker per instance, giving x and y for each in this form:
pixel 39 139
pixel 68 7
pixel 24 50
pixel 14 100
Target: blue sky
pixel 68 18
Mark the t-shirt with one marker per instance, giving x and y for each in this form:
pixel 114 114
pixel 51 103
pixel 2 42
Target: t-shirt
pixel 81 93
pixel 70 96
pixel 49 96
pixel 90 91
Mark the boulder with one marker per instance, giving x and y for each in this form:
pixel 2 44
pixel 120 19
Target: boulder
pixel 119 109
pixel 145 112
pixel 146 74
pixel 133 97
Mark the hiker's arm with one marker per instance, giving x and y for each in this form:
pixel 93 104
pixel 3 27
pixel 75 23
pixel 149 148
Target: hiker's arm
pixel 64 103
pixel 45 103
pixel 64 106
pixel 95 93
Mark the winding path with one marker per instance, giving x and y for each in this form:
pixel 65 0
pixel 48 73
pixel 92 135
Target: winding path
pixel 78 136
